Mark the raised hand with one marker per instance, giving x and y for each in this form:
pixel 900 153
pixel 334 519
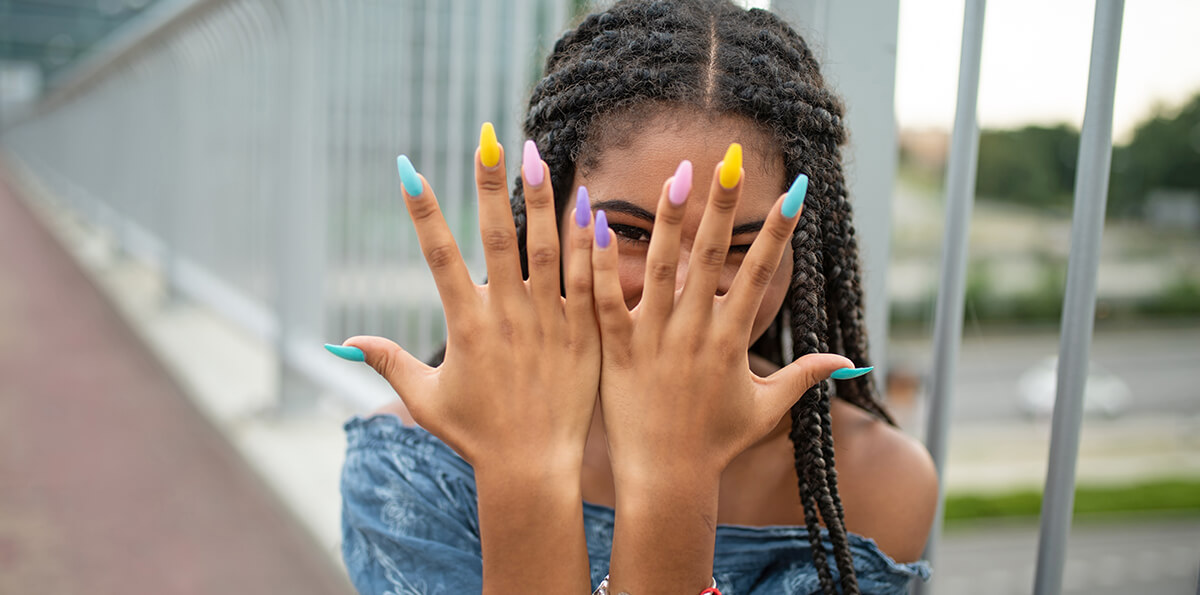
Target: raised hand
pixel 678 397
pixel 516 391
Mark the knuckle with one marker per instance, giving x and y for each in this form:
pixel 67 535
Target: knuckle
pixel 760 274
pixel 671 216
pixel 498 240
pixel 662 271
pixel 779 233
pixel 712 256
pixel 543 256
pixel 491 185
pixel 440 257
pixel 422 210
pixel 723 203
pixel 609 305
pixel 579 284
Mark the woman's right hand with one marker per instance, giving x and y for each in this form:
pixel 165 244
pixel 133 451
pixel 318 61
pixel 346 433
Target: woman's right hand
pixel 519 380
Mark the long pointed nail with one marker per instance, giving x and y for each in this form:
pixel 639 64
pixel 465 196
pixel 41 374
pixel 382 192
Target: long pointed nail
pixel 531 164
pixel 602 237
pixel 848 373
pixel 346 352
pixel 731 167
pixel 408 177
pixel 795 197
pixel 489 147
pixel 682 184
pixel 583 207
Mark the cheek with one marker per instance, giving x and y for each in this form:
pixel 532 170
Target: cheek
pixel 632 272
pixel 774 296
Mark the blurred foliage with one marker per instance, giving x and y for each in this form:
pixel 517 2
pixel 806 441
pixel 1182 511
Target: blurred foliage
pixel 1161 496
pixel 1035 165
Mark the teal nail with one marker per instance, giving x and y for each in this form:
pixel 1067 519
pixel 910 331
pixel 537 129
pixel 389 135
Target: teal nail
pixel 408 177
pixel 346 352
pixel 795 197
pixel 848 373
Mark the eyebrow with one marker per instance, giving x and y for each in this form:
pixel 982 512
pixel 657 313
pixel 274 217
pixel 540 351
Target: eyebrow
pixel 628 208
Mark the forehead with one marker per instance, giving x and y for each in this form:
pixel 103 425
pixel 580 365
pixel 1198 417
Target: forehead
pixel 635 167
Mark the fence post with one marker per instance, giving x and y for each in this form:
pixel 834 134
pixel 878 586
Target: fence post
pixel 960 198
pixel 1079 303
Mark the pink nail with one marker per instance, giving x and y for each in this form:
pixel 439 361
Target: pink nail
pixel 682 184
pixel 531 164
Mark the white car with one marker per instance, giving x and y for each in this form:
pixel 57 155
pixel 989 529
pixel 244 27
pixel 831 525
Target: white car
pixel 1105 393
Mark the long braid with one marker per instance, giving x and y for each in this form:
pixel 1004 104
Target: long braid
pixel 628 64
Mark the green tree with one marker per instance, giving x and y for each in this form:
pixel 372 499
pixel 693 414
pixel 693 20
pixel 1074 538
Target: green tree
pixel 1164 153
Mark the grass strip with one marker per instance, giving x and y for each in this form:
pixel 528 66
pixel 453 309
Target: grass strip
pixel 1168 495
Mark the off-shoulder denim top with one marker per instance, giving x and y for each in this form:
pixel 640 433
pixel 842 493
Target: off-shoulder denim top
pixel 410 525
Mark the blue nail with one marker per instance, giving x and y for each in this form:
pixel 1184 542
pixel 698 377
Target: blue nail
pixel 602 238
pixel 408 177
pixel 583 208
pixel 795 197
pixel 848 373
pixel 346 352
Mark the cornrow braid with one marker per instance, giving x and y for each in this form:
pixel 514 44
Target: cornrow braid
pixel 641 58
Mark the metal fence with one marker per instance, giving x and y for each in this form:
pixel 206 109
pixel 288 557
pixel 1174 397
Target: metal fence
pixel 245 147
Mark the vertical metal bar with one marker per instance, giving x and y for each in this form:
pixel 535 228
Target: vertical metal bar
pixel 960 198
pixel 1079 303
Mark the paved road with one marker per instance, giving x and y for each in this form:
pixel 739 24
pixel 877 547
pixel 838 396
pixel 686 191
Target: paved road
pixel 1159 557
pixel 111 482
pixel 1161 365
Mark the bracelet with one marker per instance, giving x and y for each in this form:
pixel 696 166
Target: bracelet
pixel 603 588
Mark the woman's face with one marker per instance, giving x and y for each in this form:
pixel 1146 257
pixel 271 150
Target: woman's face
pixel 627 180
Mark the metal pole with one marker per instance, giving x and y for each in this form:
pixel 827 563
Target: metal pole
pixel 1079 304
pixel 960 197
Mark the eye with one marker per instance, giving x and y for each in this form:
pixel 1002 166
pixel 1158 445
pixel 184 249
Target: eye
pixel 630 233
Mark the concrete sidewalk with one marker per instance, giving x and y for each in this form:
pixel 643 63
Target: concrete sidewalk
pixel 111 480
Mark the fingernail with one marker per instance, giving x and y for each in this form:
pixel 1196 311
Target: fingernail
pixel 408 177
pixel 531 164
pixel 489 147
pixel 346 352
pixel 848 373
pixel 583 208
pixel 602 238
pixel 731 167
pixel 795 196
pixel 682 184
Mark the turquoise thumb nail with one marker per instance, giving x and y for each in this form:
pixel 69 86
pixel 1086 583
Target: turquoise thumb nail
pixel 795 196
pixel 346 352
pixel 848 373
pixel 408 177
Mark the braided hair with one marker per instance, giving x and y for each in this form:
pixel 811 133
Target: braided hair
pixel 642 57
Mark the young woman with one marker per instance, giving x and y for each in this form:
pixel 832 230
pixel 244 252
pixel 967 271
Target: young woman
pixel 646 398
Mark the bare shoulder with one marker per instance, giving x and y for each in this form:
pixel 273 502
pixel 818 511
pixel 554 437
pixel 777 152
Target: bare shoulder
pixel 886 480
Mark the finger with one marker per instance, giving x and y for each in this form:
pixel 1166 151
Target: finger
pixel 712 239
pixel 783 388
pixel 437 243
pixel 611 312
pixel 662 259
pixel 581 313
pixel 541 239
pixel 496 227
pixel 407 374
pixel 758 269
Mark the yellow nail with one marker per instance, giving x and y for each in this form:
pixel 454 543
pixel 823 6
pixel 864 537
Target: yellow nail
pixel 731 167
pixel 489 148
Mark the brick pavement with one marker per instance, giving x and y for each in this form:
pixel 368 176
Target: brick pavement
pixel 110 480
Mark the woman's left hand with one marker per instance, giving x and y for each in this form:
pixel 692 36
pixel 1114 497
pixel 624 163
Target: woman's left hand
pixel 676 387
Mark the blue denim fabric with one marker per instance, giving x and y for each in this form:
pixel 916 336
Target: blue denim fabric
pixel 410 525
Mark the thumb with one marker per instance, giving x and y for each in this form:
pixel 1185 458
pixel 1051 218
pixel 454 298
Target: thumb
pixel 785 386
pixel 400 368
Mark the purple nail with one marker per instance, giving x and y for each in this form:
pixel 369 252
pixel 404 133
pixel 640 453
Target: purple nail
pixel 682 184
pixel 531 164
pixel 602 238
pixel 583 207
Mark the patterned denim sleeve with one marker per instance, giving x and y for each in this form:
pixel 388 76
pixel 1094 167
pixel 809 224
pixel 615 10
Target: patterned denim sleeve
pixel 409 518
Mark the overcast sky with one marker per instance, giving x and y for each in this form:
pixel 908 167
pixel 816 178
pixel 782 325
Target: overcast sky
pixel 1035 60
